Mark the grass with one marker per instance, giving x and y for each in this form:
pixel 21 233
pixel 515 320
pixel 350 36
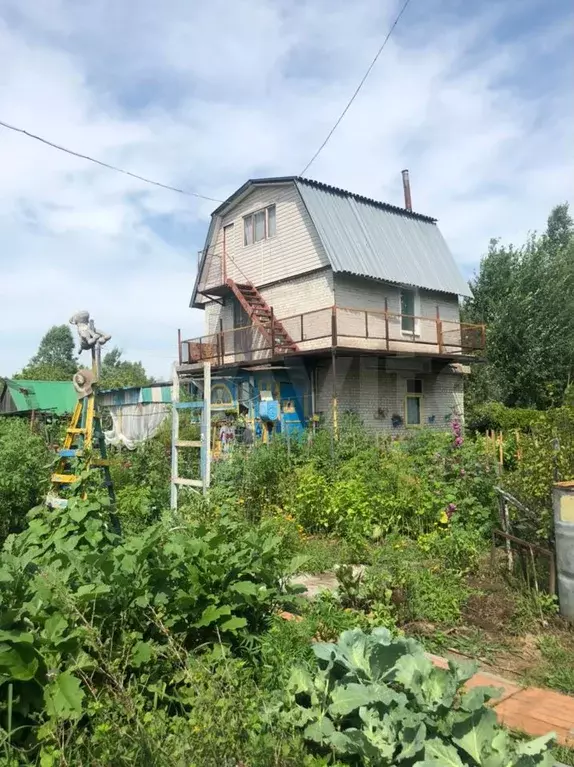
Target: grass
pixel 556 667
pixel 324 553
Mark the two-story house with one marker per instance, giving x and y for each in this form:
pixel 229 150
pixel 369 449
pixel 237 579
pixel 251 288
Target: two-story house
pixel 332 302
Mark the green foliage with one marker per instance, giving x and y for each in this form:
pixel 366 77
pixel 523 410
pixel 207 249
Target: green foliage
pixel 460 550
pixel 117 373
pixel 377 700
pixel 24 461
pixel 221 717
pixel 408 487
pixel 496 416
pixel 525 297
pixel 85 614
pixel 54 360
pixel 547 454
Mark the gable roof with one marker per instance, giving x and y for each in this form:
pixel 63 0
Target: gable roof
pixel 367 238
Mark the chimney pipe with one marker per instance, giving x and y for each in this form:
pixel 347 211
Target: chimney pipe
pixel 407 190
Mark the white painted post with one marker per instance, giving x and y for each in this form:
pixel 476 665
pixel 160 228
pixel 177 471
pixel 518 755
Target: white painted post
pixel 174 438
pixel 206 430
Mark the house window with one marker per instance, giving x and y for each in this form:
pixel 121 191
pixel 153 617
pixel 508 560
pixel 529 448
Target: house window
pixel 259 226
pixel 221 395
pixel 413 402
pixel 409 311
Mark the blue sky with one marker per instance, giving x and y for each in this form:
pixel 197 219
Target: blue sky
pixel 474 98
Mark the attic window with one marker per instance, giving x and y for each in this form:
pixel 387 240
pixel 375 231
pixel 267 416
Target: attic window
pixel 259 226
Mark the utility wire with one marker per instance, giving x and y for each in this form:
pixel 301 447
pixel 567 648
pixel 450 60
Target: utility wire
pixel 105 164
pixel 356 93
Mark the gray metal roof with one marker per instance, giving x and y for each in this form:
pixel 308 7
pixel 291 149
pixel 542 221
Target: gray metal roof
pixel 371 239
pixel 366 237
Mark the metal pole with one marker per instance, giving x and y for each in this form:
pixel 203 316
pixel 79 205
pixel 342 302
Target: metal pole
pixel 563 506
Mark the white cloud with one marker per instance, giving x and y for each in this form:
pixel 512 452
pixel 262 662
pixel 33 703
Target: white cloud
pixel 204 96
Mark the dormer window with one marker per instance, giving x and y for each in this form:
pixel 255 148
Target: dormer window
pixel 259 226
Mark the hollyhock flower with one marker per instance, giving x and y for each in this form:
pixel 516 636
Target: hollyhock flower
pixel 458 441
pixel 451 508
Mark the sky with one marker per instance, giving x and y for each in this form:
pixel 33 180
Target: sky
pixel 475 98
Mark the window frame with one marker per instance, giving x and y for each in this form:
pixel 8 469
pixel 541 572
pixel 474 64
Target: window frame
pixel 223 405
pixel 416 331
pixel 250 217
pixel 416 396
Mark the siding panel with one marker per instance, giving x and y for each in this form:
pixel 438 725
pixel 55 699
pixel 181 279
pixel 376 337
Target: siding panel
pixel 294 250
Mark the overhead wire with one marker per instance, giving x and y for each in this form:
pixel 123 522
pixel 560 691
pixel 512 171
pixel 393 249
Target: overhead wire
pixel 105 164
pixel 357 89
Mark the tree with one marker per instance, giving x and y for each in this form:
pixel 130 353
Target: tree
pixel 117 373
pixel 526 298
pixel 54 360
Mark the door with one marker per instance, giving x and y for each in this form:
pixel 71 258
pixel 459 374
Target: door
pixel 292 413
pixel 243 335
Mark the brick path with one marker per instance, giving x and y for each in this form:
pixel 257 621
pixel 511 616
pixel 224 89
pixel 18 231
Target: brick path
pixel 528 709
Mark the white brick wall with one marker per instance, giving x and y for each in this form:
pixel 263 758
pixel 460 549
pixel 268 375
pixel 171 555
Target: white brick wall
pixel 357 293
pixel 365 387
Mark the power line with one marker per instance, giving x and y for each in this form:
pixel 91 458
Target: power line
pixel 105 164
pixel 356 93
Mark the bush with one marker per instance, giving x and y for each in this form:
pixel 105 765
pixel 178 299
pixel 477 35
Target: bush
pixel 547 454
pixel 378 700
pixel 85 614
pixel 494 416
pixel 24 473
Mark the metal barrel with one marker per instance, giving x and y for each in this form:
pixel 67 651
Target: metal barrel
pixel 563 507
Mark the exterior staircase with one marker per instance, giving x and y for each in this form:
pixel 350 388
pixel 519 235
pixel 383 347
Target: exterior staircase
pixel 261 316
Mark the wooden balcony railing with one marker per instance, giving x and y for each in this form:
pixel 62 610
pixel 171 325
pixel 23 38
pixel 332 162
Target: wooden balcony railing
pixel 340 327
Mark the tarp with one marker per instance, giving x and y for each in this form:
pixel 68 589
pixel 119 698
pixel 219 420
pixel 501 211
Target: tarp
pixel 134 424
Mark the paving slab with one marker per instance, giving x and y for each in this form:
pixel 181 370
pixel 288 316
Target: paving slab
pixel 528 709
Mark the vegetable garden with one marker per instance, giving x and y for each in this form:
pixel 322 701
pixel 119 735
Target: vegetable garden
pixel 167 646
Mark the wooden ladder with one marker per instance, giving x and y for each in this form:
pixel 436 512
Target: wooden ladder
pixel 84 437
pixel 262 317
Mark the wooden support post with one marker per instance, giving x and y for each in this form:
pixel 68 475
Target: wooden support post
pixel 222 341
pixel 302 329
pixel 387 323
pixel 179 345
pixel 334 327
pixel 366 324
pixel 272 331
pixel 335 430
pixel 439 330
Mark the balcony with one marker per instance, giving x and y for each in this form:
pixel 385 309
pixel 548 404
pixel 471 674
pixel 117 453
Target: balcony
pixel 340 328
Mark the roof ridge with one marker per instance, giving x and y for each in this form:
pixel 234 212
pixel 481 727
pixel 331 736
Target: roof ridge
pixel 362 198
